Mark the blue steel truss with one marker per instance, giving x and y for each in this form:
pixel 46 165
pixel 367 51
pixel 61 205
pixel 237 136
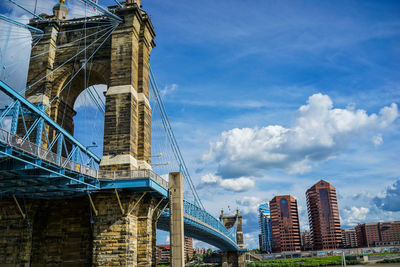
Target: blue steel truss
pixel 201 225
pixel 24 172
pixel 39 113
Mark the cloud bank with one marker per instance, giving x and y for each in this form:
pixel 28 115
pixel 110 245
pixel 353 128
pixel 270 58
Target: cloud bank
pixel 237 185
pixel 391 199
pixel 354 215
pixel 320 132
pixel 249 204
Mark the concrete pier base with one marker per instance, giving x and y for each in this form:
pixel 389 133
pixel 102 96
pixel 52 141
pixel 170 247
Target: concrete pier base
pixel 233 259
pixel 176 219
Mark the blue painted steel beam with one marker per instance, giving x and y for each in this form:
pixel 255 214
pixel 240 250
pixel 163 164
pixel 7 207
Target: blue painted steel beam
pixel 46 169
pixel 13 94
pixel 133 183
pixel 232 244
pixel 5 112
pixel 201 232
pixel 14 121
pixel 19 24
pixel 158 188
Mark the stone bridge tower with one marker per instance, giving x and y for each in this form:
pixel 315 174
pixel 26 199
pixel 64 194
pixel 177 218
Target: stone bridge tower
pixel 122 63
pixel 107 228
pixel 234 258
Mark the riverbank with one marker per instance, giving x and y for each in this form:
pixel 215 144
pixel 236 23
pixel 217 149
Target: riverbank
pixel 397 260
pixel 303 262
pixel 316 262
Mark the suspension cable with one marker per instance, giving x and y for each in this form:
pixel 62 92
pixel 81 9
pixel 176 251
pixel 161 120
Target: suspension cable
pixel 105 39
pixel 173 142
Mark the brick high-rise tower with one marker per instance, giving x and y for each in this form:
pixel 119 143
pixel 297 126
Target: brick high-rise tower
pixel 323 216
pixel 285 224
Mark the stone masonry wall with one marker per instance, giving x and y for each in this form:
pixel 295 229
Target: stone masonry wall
pixel 53 233
pixel 15 236
pixel 68 233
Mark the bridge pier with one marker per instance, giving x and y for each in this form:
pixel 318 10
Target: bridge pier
pixel 73 232
pixel 176 219
pixel 125 239
pixel 233 259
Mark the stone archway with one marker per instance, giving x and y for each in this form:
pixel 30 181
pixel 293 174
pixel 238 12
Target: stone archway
pixel 65 91
pixel 120 61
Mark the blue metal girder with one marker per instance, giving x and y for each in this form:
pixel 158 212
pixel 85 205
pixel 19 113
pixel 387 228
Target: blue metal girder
pixel 200 232
pixel 134 184
pixel 13 94
pixel 21 169
pixel 42 167
pixel 21 175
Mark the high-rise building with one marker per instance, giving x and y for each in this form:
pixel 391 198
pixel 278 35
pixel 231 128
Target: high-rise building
pixel 163 254
pixel 264 219
pixel 323 216
pixel 378 234
pixel 306 243
pixel 349 238
pixel 188 248
pixel 284 224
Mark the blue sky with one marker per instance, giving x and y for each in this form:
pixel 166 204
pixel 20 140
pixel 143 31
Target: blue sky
pixel 267 97
pixel 253 64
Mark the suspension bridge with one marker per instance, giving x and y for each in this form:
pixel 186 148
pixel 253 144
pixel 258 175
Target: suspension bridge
pixel 65 199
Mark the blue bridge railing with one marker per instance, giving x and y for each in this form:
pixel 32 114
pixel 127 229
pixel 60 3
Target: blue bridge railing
pixel 206 218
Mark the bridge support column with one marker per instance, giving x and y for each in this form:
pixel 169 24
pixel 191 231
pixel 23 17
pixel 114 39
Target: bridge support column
pixel 124 239
pixel 127 127
pixel 146 231
pixel 233 259
pixel 176 219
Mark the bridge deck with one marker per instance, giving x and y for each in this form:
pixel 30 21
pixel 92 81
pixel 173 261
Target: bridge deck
pixel 27 170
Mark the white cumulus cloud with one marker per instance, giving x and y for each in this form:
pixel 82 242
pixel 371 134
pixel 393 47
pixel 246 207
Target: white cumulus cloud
pixel 354 215
pixel 320 132
pixel 168 89
pixel 237 184
pixel 249 204
pixel 377 140
pixel 390 200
